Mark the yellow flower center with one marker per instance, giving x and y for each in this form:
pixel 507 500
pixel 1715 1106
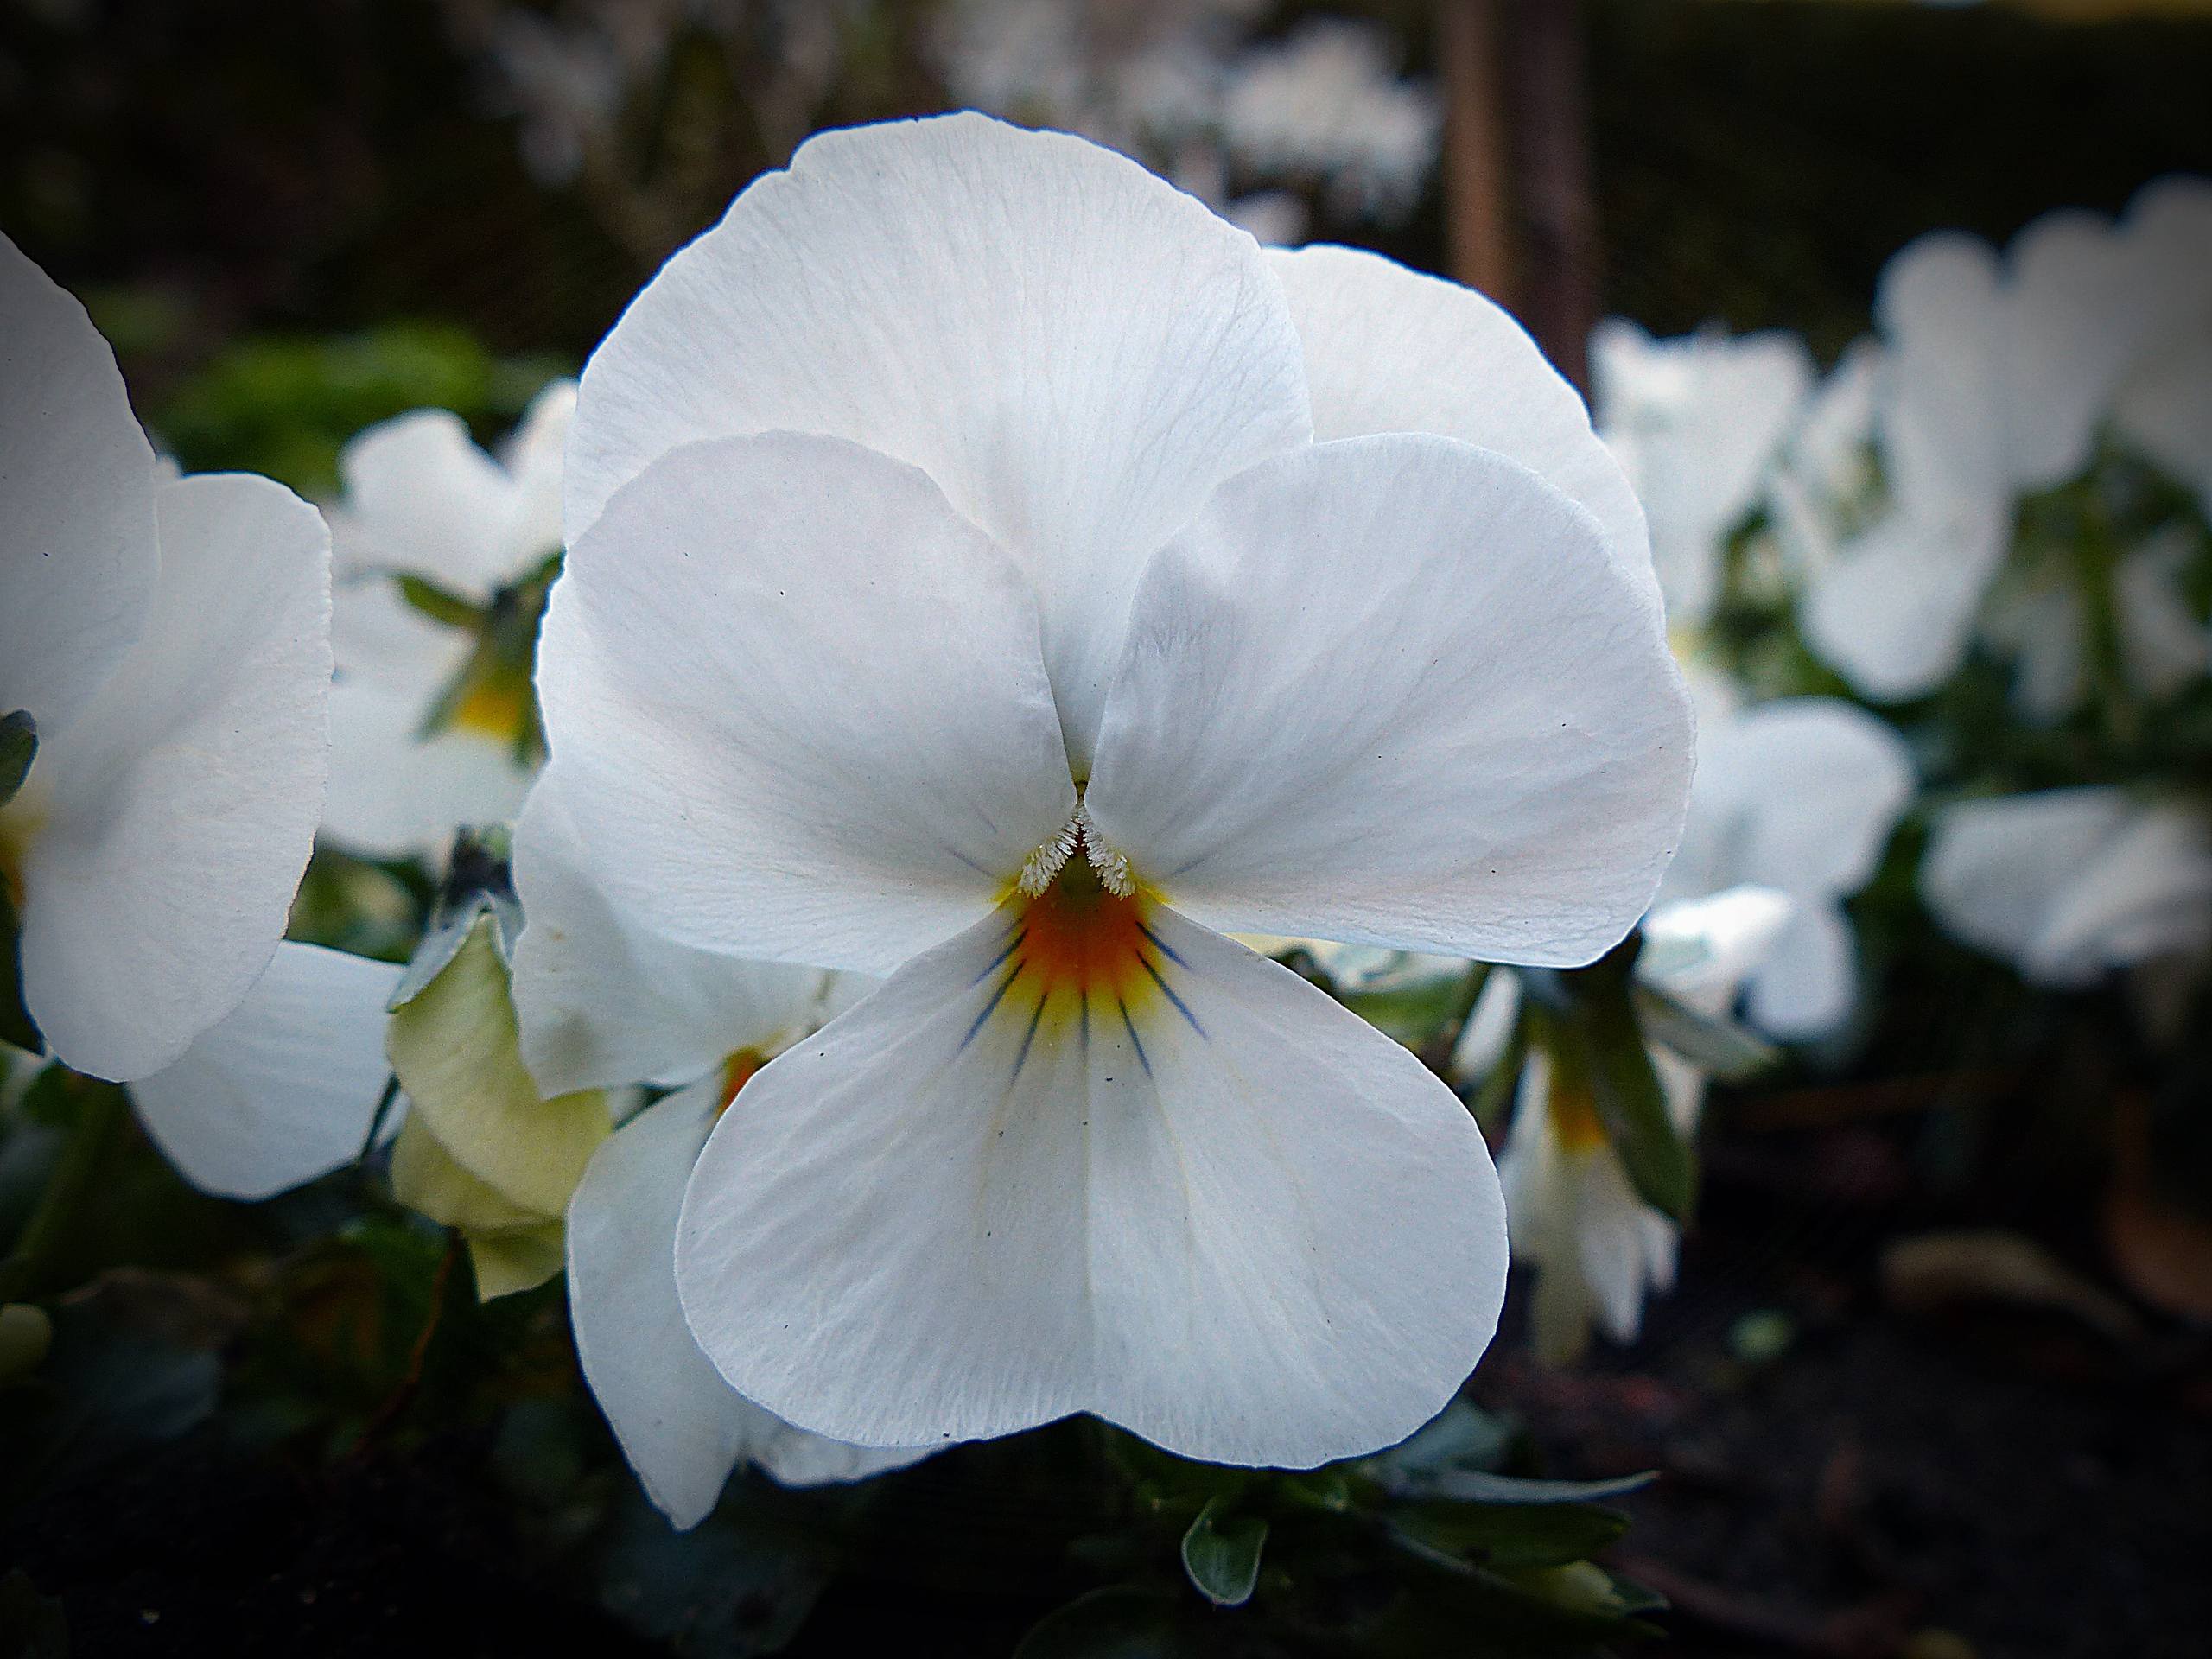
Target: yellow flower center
pixel 1574 1116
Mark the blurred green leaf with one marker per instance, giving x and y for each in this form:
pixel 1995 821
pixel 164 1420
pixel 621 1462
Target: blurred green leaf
pixel 1221 1553
pixel 1719 1047
pixel 1510 1535
pixel 18 743
pixel 16 1026
pixel 440 606
pixel 1120 1622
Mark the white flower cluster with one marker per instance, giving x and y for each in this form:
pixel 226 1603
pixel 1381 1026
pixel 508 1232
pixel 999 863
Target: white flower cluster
pixel 1256 127
pixel 986 580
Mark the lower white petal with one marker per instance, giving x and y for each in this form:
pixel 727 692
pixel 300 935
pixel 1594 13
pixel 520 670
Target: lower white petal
pixel 682 1427
pixel 183 802
pixel 284 1088
pixel 1122 1165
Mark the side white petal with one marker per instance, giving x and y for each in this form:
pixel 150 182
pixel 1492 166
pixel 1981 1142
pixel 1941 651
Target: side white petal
pixel 603 1000
pixel 791 744
pixel 77 497
pixel 1800 794
pixel 1503 777
pixel 1701 950
pixel 1698 423
pixel 2074 325
pixel 283 1088
pixel 680 1427
pixel 1994 869
pixel 421 499
pixel 1074 350
pixel 533 458
pixel 1809 981
pixel 2146 894
pixel 1392 350
pixel 1894 611
pixel 947 1216
pixel 184 800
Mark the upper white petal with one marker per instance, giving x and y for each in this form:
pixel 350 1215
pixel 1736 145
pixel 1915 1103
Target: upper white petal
pixel 283 1088
pixel 1075 351
pixel 934 1220
pixel 680 1427
pixel 1392 350
pixel 1395 690
pixel 602 999
pixel 421 499
pixel 76 496
pixel 782 741
pixel 1698 423
pixel 183 802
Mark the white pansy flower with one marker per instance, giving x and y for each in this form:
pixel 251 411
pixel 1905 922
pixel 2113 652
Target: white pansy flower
pixel 1596 1246
pixel 2067 885
pixel 602 1001
pixel 443 551
pixel 1697 423
pixel 2165 403
pixel 168 640
pixel 1996 372
pixel 957 592
pixel 1799 796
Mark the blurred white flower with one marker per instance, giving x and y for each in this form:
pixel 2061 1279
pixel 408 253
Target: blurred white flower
pixel 1799 796
pixel 564 80
pixel 167 642
pixel 2163 644
pixel 1147 663
pixel 2165 403
pixel 442 554
pixel 602 1001
pixel 1697 423
pixel 1574 1217
pixel 1327 104
pixel 2067 885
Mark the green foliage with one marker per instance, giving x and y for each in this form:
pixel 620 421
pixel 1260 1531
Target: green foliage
pixel 285 405
pixel 18 745
pixel 1585 1018
pixel 1221 1551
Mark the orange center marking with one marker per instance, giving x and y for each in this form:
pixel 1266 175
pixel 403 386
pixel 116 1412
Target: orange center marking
pixel 1078 938
pixel 738 1070
pixel 1575 1116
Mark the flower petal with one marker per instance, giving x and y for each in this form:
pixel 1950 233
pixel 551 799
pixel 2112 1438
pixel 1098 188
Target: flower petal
pixel 1698 423
pixel 1392 350
pixel 1504 778
pixel 395 793
pixel 420 499
pixel 1809 981
pixel 965 1207
pixel 1074 350
pixel 1993 868
pixel 283 1089
pixel 603 1000
pixel 184 799
pixel 793 746
pixel 76 496
pixel 1800 794
pixel 682 1427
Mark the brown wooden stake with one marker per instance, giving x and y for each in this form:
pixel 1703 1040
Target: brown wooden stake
pixel 1478 230
pixel 1558 212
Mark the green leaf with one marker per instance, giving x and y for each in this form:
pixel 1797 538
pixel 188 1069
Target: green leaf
pixel 1473 1486
pixel 1588 1021
pixel 1720 1048
pixel 1120 1622
pixel 1510 1535
pixel 16 1026
pixel 18 744
pixel 440 605
pixel 1221 1551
